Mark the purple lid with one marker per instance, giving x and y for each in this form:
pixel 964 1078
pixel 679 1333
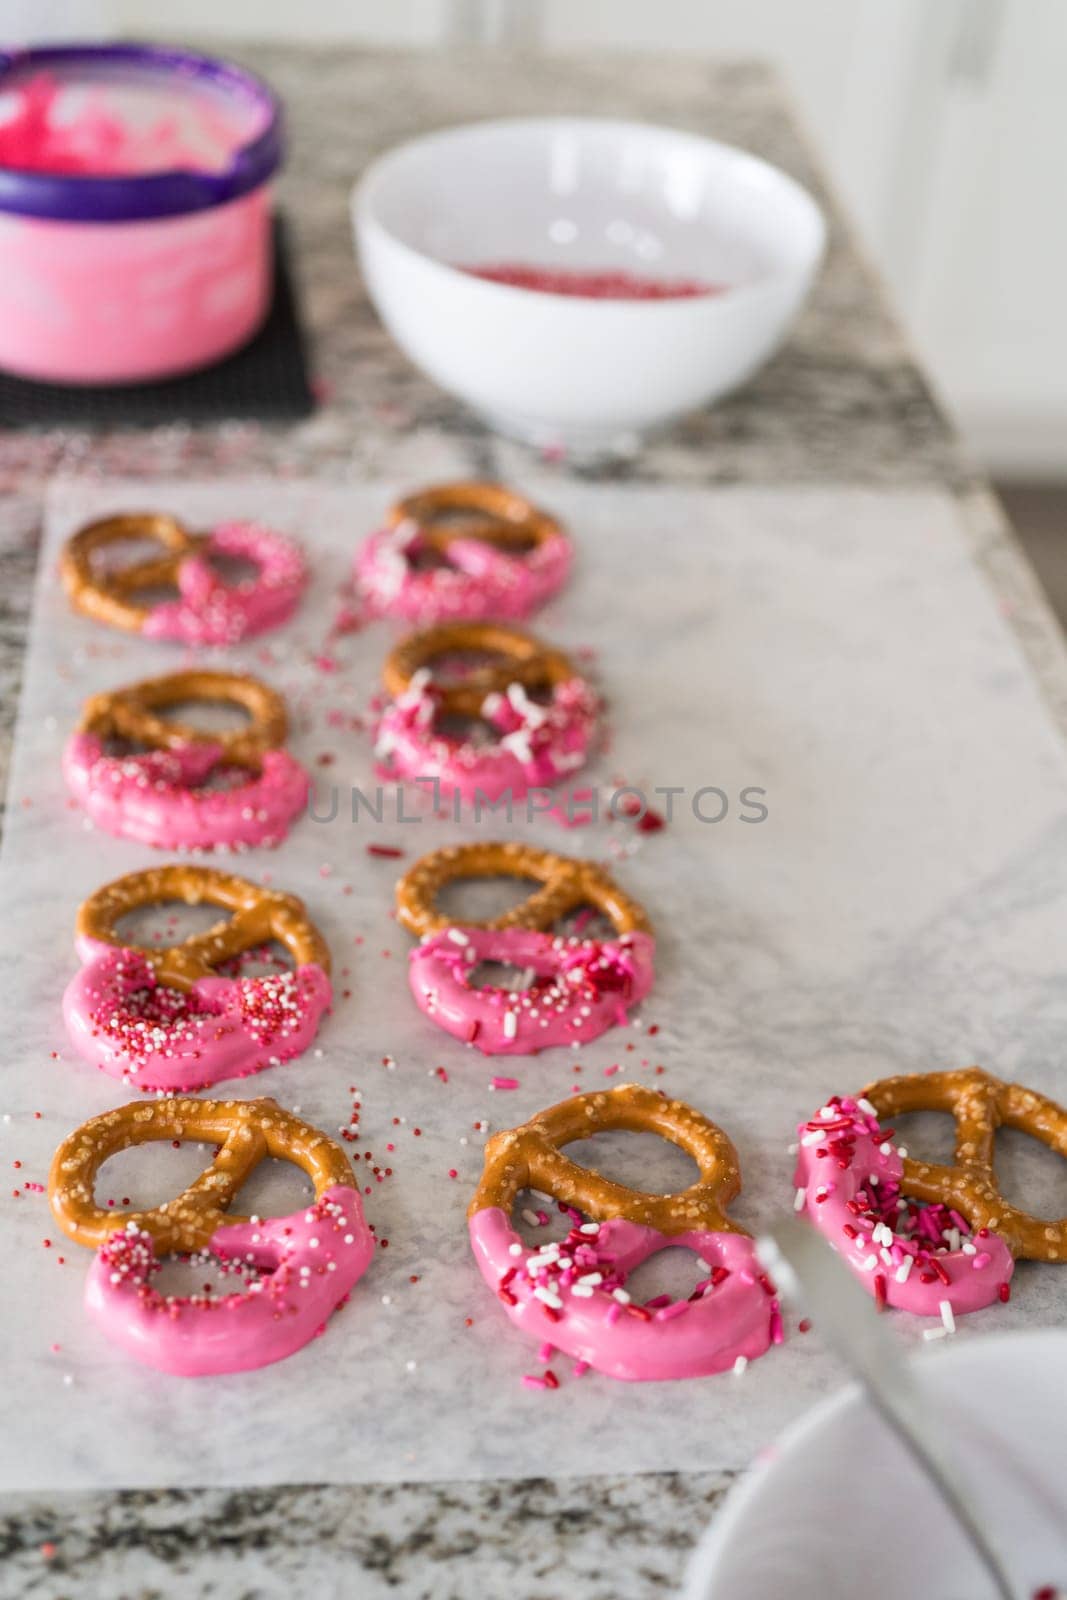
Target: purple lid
pixel 135 197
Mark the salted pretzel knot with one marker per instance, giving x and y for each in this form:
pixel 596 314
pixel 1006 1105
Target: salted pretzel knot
pixel 110 596
pixel 131 713
pixel 474 510
pixel 525 660
pixel 566 884
pixel 259 915
pixel 530 1158
pixel 246 1132
pixel 979 1105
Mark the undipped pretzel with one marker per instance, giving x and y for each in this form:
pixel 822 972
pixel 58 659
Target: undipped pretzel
pixel 206 610
pixel 158 796
pixel 304 1265
pixel 538 742
pixel 573 1295
pixel 502 556
pixel 922 1236
pixel 124 1015
pixel 580 986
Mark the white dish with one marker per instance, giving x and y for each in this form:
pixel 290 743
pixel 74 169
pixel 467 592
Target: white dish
pixel 583 194
pixel 837 1508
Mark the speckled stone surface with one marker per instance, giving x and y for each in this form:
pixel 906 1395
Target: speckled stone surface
pixel 844 402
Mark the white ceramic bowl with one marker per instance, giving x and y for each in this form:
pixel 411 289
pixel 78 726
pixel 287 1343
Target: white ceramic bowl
pixel 583 194
pixel 837 1510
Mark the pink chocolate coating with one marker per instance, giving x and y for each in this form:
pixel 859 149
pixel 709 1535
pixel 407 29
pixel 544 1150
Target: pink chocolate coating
pixel 889 1269
pixel 212 612
pixel 157 797
pixel 590 985
pixel 124 1021
pixel 538 744
pixel 311 1261
pixel 732 1313
pixel 478 582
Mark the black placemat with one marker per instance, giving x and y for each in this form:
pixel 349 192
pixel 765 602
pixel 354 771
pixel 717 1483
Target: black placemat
pixel 267 380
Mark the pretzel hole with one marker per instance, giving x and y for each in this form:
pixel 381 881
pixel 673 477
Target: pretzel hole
pixel 231 569
pixel 1030 1174
pixel 674 1271
pixel 144 1176
pixel 274 1188
pixel 208 716
pixel 499 975
pixel 926 1135
pixel 642 1161
pixel 526 1218
pixel 111 559
pixel 207 1276
pixel 166 922
pixel 483 899
pixel 268 957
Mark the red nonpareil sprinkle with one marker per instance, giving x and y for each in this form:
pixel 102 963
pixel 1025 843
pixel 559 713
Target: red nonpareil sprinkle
pixel 387 852
pixel 804 1325
pixel 452 1173
pixel 592 284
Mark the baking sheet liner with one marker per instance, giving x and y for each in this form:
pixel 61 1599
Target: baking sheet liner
pixel 902 906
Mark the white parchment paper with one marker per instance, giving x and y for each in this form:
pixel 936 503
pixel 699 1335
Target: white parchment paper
pixel 903 906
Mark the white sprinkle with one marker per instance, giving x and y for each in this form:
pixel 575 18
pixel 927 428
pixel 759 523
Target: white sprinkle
pixel 798 1199
pixel 411 1365
pixel 548 1297
pixel 901 1151
pixel 621 1296
pixel 739 1365
pixel 532 1218
pixel 945 1308
pixel 584 1291
pixel 870 1263
pixel 934 1333
pixel 968 1248
pixel 791 1149
pixel 591 1277
pixel 813 1138
pixel 515 1249
pixel 589 1227
pixel 387 1299
pixel 904 1269
pixel 458 936
pixel 511 1024
pixel 866 1107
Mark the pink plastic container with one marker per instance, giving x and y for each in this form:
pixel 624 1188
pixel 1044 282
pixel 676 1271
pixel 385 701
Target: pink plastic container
pixel 135 232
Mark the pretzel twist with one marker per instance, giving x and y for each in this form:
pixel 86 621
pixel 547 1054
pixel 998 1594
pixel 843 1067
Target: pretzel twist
pixel 246 1133
pixel 259 915
pixel 530 1157
pixel 130 713
pixel 979 1104
pixel 109 597
pixel 526 661
pixel 475 510
pixel 566 884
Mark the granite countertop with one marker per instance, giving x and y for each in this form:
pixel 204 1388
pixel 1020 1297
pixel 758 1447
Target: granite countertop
pixel 844 402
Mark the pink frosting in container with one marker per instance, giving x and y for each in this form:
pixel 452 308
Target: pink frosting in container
pixel 135 215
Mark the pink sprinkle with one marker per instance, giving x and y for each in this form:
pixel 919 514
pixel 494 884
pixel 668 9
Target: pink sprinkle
pixel 503 1083
pixel 546 1352
pixel 531 1381
pixel 669 1312
pixel 580 1368
pixel 609 1072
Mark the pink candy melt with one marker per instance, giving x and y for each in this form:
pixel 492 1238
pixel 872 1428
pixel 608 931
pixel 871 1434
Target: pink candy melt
pixel 904 1252
pixel 537 745
pixel 156 797
pixel 124 1021
pixel 478 580
pixel 39 132
pixel 729 1314
pixel 581 987
pixel 210 611
pixel 594 285
pixel 301 1268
